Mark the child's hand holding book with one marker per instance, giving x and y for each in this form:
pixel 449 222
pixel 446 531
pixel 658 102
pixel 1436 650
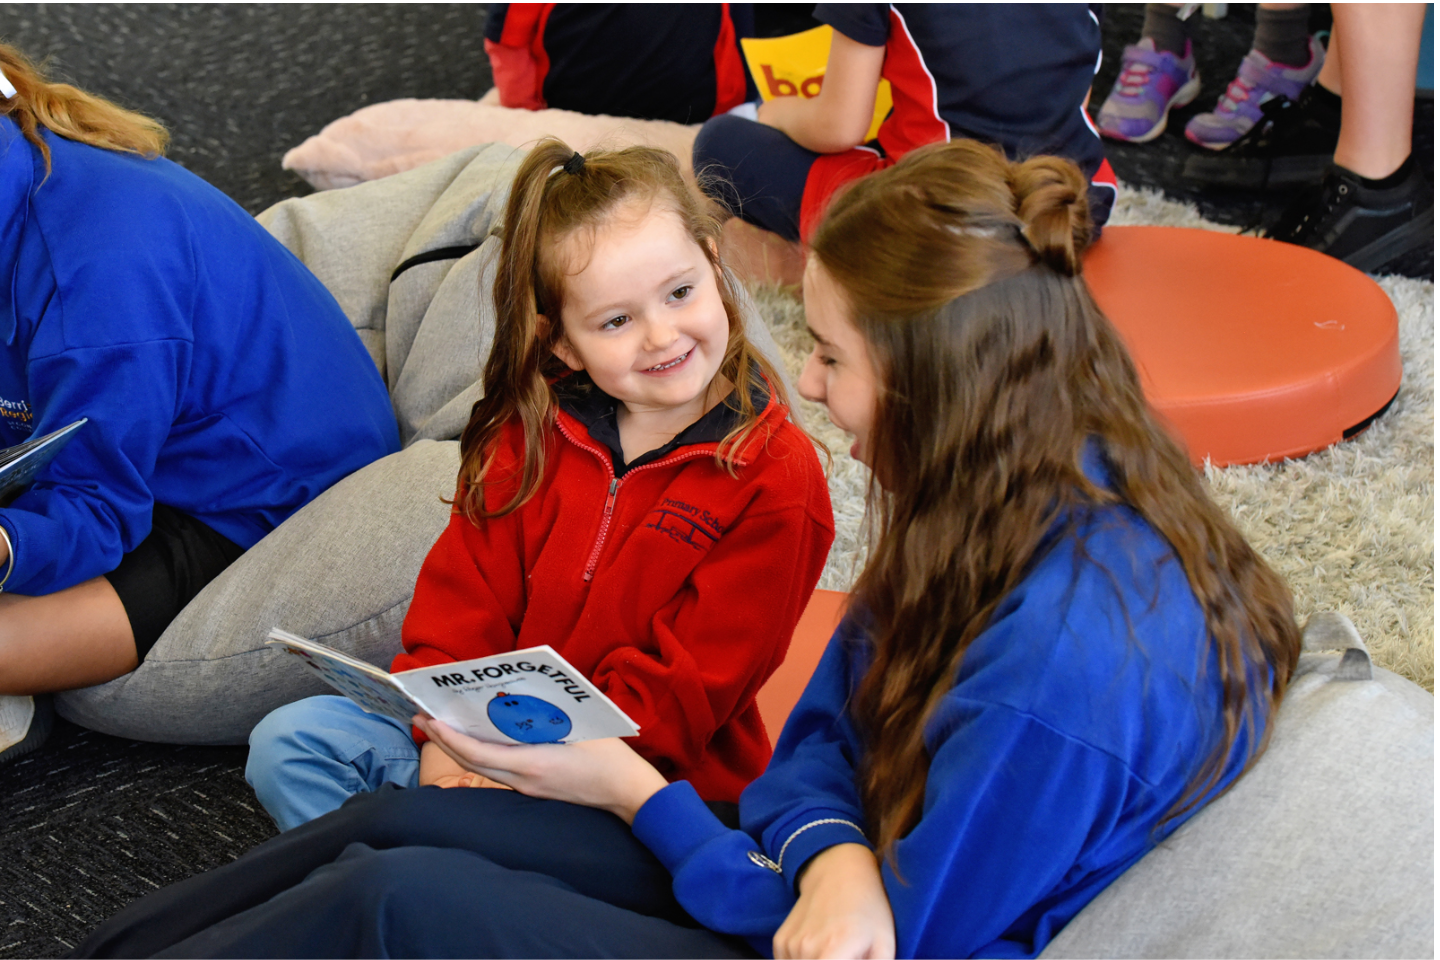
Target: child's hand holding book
pixel 606 773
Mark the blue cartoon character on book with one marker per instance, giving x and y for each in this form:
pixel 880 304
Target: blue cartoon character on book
pixel 528 719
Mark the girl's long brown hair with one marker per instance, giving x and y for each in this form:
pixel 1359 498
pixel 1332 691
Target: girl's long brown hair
pixel 962 270
pixel 72 113
pixel 548 204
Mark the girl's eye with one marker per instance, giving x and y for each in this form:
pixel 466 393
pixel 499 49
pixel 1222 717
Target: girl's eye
pixel 823 360
pixel 614 323
pixel 680 293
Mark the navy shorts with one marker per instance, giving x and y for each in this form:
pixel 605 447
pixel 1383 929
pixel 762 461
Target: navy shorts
pixel 166 570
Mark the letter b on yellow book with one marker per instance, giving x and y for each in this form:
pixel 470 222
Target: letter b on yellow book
pixel 794 66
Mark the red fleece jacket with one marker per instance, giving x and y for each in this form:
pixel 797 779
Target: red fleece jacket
pixel 674 588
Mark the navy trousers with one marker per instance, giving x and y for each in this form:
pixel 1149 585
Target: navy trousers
pixel 426 873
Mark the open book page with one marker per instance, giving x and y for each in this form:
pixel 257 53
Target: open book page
pixel 526 696
pixel 372 689
pixel 19 464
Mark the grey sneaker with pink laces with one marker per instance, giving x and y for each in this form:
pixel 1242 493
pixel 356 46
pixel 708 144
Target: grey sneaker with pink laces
pixel 1258 80
pixel 1151 83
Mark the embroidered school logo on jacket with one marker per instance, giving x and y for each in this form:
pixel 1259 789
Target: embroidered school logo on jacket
pixel 17 414
pixel 685 523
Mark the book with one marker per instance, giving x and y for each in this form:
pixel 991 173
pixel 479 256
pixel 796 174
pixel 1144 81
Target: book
pixel 794 65
pixel 525 696
pixel 19 464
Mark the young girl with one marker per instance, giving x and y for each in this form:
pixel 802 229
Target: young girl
pixel 223 387
pixel 1058 651
pixel 631 493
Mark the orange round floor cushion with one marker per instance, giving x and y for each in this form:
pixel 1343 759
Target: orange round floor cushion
pixel 1250 349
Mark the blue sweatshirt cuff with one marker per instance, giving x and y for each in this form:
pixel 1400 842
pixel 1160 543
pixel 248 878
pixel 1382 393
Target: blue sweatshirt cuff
pixel 674 823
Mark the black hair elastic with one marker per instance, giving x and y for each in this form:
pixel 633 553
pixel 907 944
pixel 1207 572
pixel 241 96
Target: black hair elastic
pixel 575 164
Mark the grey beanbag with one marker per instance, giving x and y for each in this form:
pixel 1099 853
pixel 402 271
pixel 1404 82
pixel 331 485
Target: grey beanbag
pixel 1326 848
pixel 341 570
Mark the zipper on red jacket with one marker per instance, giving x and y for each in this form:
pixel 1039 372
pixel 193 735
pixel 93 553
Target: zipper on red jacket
pixel 604 458
pixel 604 529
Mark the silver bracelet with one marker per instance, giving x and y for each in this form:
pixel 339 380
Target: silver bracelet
pixel 759 859
pixel 10 560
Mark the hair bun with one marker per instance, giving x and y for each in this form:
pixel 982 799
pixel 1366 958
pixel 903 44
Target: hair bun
pixel 1054 211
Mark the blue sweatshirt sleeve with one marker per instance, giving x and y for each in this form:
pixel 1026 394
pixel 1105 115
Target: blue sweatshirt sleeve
pixel 804 803
pixel 1013 810
pixel 68 527
pixel 807 799
pixel 721 878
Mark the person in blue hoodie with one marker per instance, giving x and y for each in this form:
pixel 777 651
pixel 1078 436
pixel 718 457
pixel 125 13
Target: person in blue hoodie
pixel 1059 649
pixel 222 386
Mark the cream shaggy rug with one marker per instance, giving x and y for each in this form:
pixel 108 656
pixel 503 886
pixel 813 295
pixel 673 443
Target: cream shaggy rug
pixel 1351 528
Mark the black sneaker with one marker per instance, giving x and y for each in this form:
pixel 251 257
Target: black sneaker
pixel 1291 145
pixel 25 725
pixel 1363 226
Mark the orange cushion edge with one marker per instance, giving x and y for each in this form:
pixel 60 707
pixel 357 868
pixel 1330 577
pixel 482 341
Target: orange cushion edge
pixel 778 696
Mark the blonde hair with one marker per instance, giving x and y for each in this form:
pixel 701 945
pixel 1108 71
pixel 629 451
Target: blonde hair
pixel 72 113
pixel 551 199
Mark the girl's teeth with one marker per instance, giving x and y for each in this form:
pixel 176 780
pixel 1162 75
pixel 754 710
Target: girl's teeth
pixel 667 366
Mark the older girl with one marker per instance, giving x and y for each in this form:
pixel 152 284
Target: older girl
pixel 1058 651
pixel 223 386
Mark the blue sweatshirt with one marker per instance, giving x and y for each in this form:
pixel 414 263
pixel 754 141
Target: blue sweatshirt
pixel 220 377
pixel 1063 742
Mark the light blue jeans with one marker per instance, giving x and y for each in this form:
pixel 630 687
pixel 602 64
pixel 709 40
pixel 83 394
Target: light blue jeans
pixel 307 757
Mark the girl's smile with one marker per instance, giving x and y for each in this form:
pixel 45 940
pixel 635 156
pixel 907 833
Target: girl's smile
pixel 643 316
pixel 670 365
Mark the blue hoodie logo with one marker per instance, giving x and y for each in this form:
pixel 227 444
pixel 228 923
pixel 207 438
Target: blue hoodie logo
pixel 17 415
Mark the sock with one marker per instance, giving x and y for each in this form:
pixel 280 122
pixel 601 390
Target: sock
pixel 1284 35
pixel 1164 26
pixel 1401 174
pixel 1321 107
pixel 1325 98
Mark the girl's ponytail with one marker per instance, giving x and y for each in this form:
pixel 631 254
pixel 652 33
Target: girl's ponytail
pixel 1054 211
pixel 521 356
pixel 72 113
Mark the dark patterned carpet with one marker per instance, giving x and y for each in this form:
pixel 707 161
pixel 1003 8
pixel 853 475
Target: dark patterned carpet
pixel 91 822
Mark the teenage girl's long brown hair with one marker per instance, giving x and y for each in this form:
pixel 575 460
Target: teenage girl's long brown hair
pixel 72 113
pixel 548 204
pixel 962 270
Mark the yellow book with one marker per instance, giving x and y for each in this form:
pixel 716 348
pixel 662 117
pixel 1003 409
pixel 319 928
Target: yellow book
pixel 794 66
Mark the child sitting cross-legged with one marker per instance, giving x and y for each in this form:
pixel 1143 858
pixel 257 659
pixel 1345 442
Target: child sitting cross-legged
pixel 631 493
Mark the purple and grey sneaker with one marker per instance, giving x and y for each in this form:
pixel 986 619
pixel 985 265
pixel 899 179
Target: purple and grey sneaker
pixel 1259 79
pixel 1150 83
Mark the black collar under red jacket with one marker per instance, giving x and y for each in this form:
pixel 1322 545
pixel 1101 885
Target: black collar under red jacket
pixel 674 586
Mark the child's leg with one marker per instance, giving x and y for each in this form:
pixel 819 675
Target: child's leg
pixel 754 171
pixel 423 901
pixel 101 629
pixel 308 757
pixel 761 175
pixel 269 900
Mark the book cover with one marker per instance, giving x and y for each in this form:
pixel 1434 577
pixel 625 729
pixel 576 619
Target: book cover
pixel 525 696
pixel 19 464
